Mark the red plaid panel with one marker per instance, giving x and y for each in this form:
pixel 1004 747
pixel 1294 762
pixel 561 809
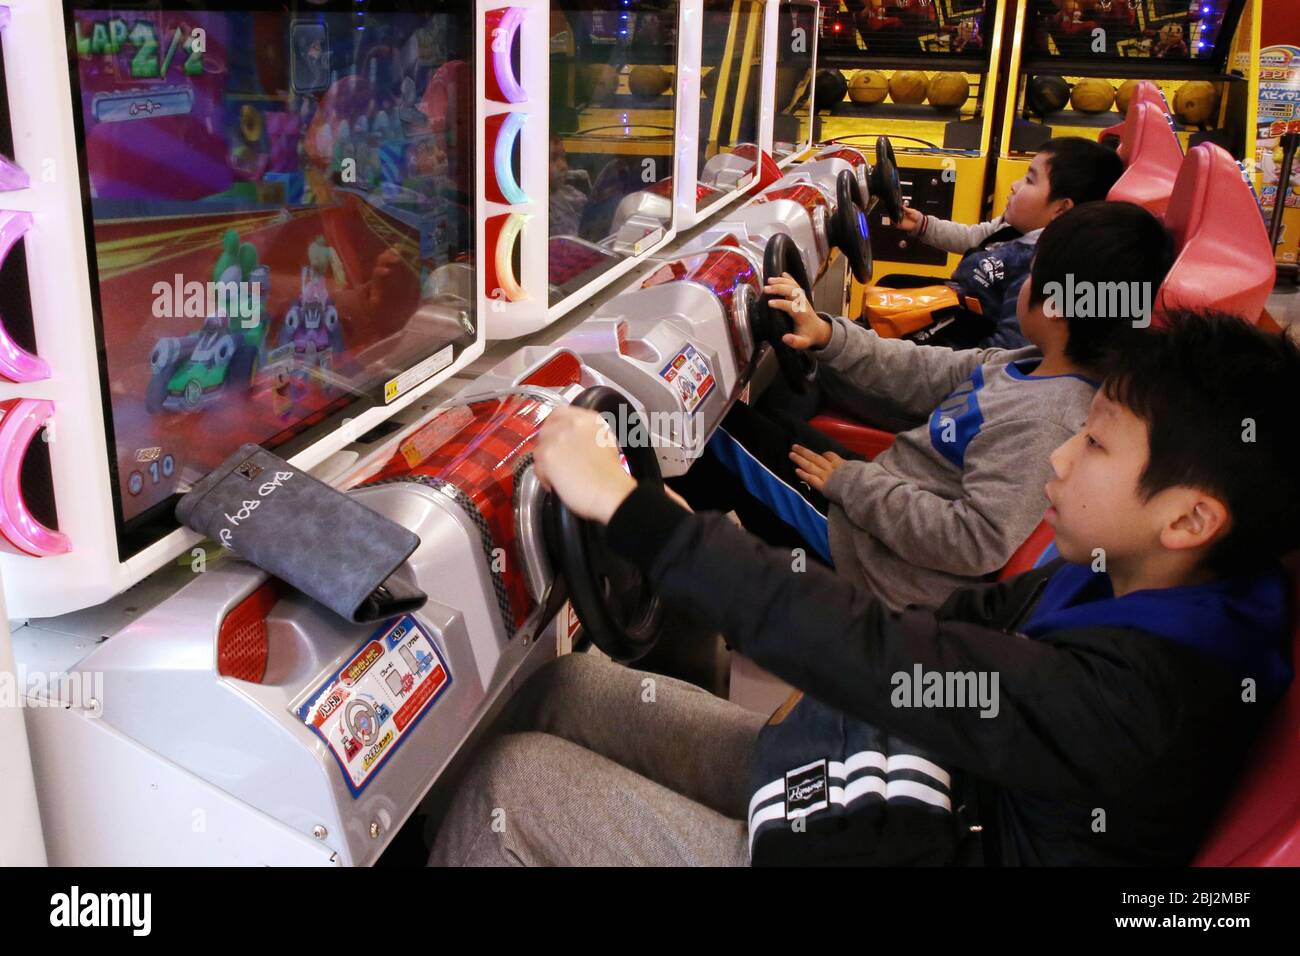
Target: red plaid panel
pixel 477 449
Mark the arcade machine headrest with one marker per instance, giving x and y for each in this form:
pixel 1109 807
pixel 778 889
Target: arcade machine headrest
pixel 1225 259
pixel 1260 826
pixel 1152 156
pixel 1145 92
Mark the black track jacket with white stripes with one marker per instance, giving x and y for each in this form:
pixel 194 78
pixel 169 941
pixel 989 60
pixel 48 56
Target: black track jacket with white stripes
pixel 1109 745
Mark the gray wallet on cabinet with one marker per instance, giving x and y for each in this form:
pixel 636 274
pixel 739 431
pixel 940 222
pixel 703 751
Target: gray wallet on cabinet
pixel 327 545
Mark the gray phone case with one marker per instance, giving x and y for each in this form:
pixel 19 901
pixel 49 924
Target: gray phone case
pixel 314 537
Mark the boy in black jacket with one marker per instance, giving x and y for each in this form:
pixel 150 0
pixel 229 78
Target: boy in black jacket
pixel 1126 681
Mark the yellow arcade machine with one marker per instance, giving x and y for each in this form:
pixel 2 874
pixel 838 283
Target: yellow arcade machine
pixel 1074 65
pixel 923 73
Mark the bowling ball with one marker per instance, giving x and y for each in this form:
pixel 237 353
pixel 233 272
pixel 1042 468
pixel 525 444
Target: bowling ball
pixel 1124 95
pixel 868 86
pixel 647 82
pixel 602 81
pixel 1092 96
pixel 1195 102
pixel 949 90
pixel 909 87
pixel 1045 95
pixel 829 89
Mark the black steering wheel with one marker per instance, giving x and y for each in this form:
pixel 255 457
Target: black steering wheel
pixel 618 611
pixel 782 255
pixel 849 225
pixel 885 184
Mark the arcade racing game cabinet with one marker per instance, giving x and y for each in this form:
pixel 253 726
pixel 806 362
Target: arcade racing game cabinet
pixel 271 237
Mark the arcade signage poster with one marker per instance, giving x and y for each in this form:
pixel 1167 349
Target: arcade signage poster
pixel 1279 113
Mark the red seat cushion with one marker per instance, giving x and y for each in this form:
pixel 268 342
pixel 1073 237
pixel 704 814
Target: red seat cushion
pixel 1030 553
pixel 1260 826
pixel 860 439
pixel 1152 161
pixel 1225 259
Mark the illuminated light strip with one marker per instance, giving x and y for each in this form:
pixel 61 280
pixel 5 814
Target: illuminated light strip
pixel 503 25
pixel 19 530
pixel 503 159
pixel 16 363
pixel 12 176
pixel 506 281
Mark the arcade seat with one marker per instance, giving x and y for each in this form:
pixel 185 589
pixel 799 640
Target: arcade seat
pixel 1260 825
pixel 856 437
pixel 1152 157
pixel 1225 259
pixel 1146 92
pixel 1038 549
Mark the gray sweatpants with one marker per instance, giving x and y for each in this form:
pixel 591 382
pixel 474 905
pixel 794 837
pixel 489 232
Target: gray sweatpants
pixel 602 765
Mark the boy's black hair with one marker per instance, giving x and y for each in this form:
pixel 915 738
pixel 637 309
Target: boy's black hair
pixel 1217 396
pixel 1080 169
pixel 1089 249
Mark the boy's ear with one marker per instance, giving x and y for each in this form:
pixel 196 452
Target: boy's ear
pixel 1062 207
pixel 1199 519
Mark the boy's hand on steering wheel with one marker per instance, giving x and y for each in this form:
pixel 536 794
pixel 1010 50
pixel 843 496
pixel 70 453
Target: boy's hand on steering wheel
pixel 577 457
pixel 911 220
pixel 811 331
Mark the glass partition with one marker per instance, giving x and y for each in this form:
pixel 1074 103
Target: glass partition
pixel 795 63
pixel 613 113
pixel 731 94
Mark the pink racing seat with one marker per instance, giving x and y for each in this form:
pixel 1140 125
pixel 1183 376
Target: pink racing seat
pixel 1225 260
pixel 1146 92
pixel 1260 825
pixel 1152 157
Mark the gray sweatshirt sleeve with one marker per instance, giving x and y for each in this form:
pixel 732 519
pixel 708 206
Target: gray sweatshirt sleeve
pixel 915 377
pixel 1007 465
pixel 955 236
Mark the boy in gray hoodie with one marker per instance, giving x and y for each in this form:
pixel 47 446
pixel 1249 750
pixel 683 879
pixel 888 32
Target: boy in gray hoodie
pixel 954 497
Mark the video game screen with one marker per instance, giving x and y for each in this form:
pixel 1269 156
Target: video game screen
pixel 279 222
pixel 954 29
pixel 731 67
pixel 1187 30
pixel 613 121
